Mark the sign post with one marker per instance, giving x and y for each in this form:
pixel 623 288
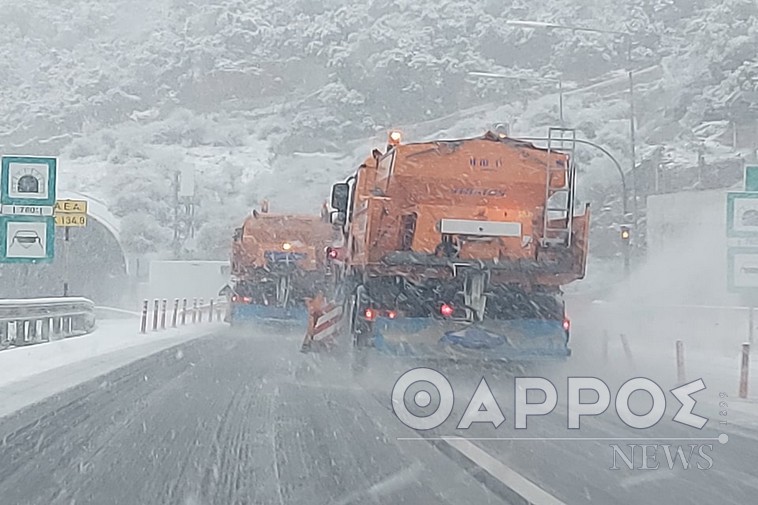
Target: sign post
pixel 68 214
pixel 27 196
pixel 65 261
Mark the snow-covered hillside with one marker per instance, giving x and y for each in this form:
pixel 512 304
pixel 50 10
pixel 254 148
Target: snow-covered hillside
pixel 277 99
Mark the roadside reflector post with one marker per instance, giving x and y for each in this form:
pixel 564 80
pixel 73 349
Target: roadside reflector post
pixel 143 327
pixel 184 311
pixel 210 315
pixel 155 315
pixel 163 314
pixel 751 324
pixel 744 370
pixel 627 348
pixel 200 311
pixel 680 372
pixel 606 341
pixel 194 310
pixel 175 313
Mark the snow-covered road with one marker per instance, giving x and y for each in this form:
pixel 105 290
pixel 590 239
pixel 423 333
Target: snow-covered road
pixel 241 417
pixel 230 419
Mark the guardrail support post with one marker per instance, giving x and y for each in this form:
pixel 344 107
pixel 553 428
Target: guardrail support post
pixel 194 310
pixel 744 370
pixel 184 311
pixel 163 314
pixel 45 329
pixel 175 313
pixel 32 331
pixel 20 327
pixel 4 337
pixel 155 315
pixel 210 316
pixel 200 311
pixel 143 326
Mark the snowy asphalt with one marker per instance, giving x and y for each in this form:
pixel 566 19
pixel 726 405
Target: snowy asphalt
pixel 241 417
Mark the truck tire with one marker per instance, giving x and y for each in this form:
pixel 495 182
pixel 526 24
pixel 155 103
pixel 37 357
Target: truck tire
pixel 360 330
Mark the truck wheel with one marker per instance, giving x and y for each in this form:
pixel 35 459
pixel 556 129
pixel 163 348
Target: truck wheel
pixel 360 329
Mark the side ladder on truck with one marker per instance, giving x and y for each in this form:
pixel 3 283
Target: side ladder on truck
pixel 559 200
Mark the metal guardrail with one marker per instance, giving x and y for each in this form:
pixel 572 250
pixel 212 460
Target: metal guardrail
pixel 37 320
pixel 180 312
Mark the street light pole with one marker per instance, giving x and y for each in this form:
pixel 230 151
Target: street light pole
pixel 632 129
pixel 628 39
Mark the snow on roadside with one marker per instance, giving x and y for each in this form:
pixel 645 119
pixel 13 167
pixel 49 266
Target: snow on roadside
pixel 31 374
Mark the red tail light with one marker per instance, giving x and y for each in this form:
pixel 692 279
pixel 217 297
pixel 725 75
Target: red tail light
pixel 446 310
pixel 392 314
pixel 566 324
pixel 235 298
pixel 369 314
pixel 247 299
pixel 331 253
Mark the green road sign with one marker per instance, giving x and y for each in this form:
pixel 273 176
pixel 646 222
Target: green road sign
pixel 742 214
pixel 27 239
pixel 751 178
pixel 742 269
pixel 28 180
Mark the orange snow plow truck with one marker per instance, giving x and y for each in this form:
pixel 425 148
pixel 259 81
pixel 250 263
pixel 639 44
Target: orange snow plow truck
pixel 277 262
pixel 459 248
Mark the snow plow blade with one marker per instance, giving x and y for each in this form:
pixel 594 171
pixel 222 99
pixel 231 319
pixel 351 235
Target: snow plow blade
pixel 513 340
